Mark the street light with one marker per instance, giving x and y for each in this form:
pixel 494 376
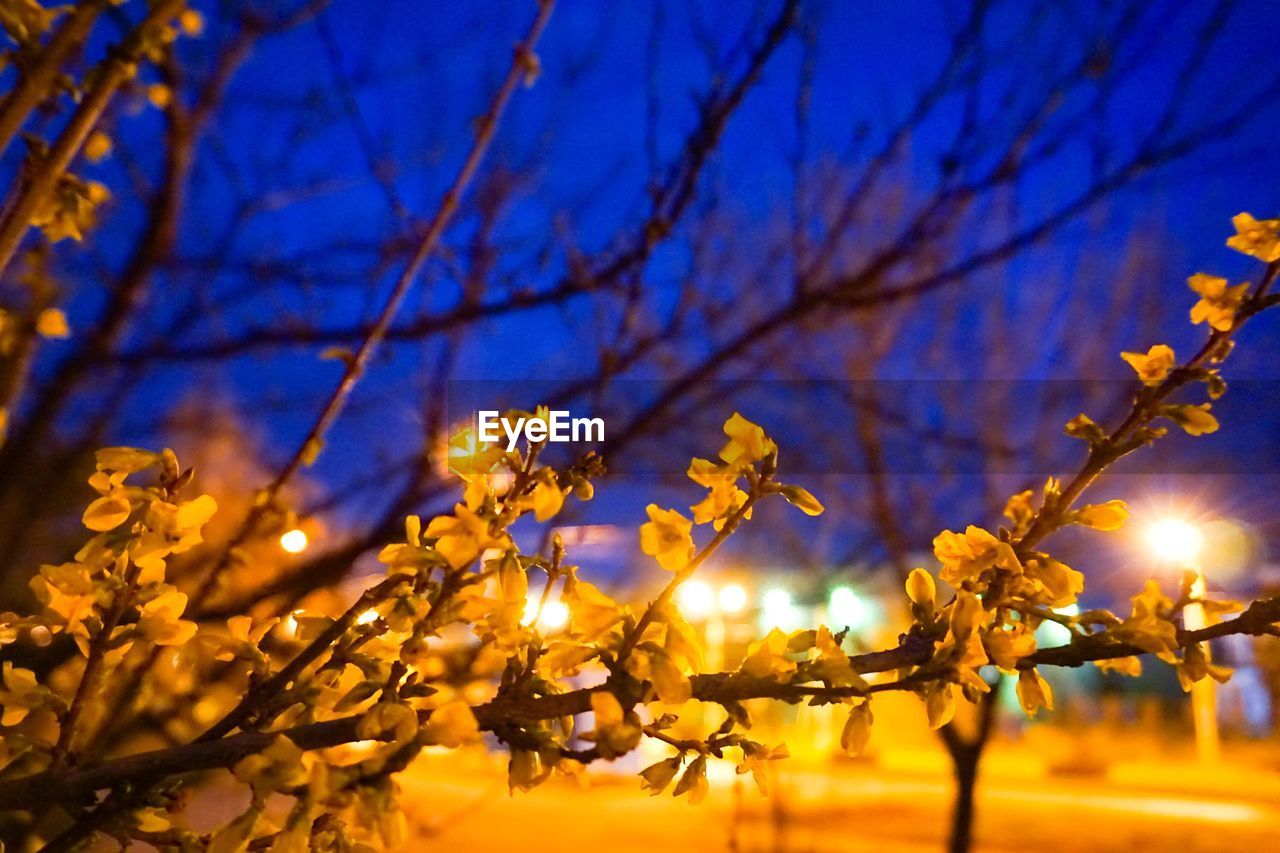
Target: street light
pixel 778 610
pixel 847 609
pixel 732 598
pixel 554 613
pixel 696 599
pixel 1176 540
pixel 294 541
pixel 1180 542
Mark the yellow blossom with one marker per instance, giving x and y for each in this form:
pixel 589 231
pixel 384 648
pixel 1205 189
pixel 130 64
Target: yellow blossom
pixel 617 732
pixel 1148 626
pixel 159 95
pixel 52 323
pixel 1019 509
pixel 126 460
pixel 1195 665
pixel 758 761
pixel 468 457
pixel 593 612
pixel 939 704
pixel 21 694
pixel 802 499
pixel 724 498
pixel 694 781
pixel 159 619
pixel 669 682
pixel 747 442
pixel 452 725
pixel 1130 666
pixel 1153 367
pixel 525 770
pixel 767 657
pixel 1034 692
pixel 1194 419
pixel 1257 237
pixel 391 718
pixel 1105 516
pixel 277 767
pixel 656 777
pixel 66 590
pixel 857 729
pixel 831 664
pixel 1060 581
pixel 191 22
pixel 1218 302
pixel 1006 648
pixel 97 147
pixel 921 588
pixel 463 536
pixel 969 554
pixel 107 513
pixel 667 537
pixel 547 498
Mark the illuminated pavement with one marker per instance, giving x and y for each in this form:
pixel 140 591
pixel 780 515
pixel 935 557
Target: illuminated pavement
pixel 843 808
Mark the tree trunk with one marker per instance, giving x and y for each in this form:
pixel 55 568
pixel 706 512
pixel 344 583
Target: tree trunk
pixel 965 766
pixel 966 754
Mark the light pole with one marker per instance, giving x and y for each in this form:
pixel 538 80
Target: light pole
pixel 1180 542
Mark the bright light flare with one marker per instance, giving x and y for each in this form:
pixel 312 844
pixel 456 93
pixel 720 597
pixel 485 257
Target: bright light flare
pixel 696 599
pixel 847 609
pixel 366 617
pixel 555 614
pixel 732 598
pixel 294 541
pixel 1175 540
pixel 778 610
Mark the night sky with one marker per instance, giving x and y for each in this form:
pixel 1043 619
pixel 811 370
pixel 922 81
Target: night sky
pixel 616 98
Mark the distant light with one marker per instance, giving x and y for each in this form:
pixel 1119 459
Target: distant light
pixel 695 599
pixel 1175 540
pixel 294 541
pixel 555 613
pixel 732 598
pixel 1051 634
pixel 777 610
pixel 847 609
pixel 366 617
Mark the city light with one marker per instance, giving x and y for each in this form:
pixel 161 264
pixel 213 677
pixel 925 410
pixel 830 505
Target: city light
pixel 778 610
pixel 847 609
pixel 695 599
pixel 1175 540
pixel 294 541
pixel 555 613
pixel 1051 633
pixel 366 617
pixel 732 598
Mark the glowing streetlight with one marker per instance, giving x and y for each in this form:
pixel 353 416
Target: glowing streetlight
pixel 1176 540
pixel 366 617
pixel 847 609
pixel 294 541
pixel 778 610
pixel 696 599
pixel 554 615
pixel 1180 542
pixel 732 598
